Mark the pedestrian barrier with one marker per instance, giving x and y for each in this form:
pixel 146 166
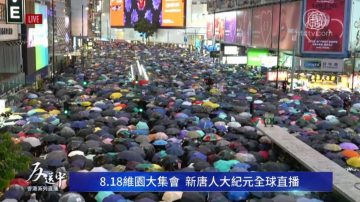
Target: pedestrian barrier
pixel 344 182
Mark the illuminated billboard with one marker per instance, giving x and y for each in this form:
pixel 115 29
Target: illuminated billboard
pixel 38 38
pixel 117 13
pixel 163 13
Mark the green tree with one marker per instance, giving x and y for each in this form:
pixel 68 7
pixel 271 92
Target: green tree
pixel 12 160
pixel 145 28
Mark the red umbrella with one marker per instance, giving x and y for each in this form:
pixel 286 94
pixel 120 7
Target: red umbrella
pixel 20 181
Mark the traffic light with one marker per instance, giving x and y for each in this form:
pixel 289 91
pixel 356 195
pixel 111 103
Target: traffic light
pixel 66 108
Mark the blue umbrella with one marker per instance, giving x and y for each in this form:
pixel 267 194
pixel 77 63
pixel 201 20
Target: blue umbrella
pixel 205 124
pixel 114 198
pixel 35 119
pixel 32 96
pixel 198 155
pixel 78 124
pixel 160 143
pixel 175 149
pixel 237 195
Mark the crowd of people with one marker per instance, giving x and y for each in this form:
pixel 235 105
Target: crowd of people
pixel 192 115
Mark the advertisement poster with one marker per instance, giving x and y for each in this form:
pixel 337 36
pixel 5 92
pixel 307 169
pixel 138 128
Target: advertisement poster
pixel 289 25
pixel 262 27
pixel 219 26
pixel 117 13
pixel 41 41
pixel 324 27
pixel 255 56
pixel 310 64
pixel 355 26
pixel 332 65
pixel 173 14
pixel 243 27
pixel 230 27
pixel 209 26
pixel 148 9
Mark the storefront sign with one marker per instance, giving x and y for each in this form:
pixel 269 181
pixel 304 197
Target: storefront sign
pixel 255 56
pixel 15 10
pixel 331 65
pixel 282 76
pixel 116 13
pixel 8 32
pixel 324 65
pixel 325 27
pixel 311 64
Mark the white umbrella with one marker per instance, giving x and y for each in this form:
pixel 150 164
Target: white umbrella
pixel 76 152
pixel 170 196
pixel 33 141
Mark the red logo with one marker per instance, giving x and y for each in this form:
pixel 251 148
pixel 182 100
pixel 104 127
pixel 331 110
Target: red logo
pixel 32 19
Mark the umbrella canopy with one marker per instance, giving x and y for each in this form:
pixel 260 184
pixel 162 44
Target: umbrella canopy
pixel 71 197
pixel 170 196
pixel 33 141
pixel 354 162
pixel 332 147
pixel 349 146
pixel 350 153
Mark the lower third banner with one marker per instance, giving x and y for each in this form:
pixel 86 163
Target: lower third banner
pixel 200 181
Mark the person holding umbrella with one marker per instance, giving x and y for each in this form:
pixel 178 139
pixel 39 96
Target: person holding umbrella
pixel 347 104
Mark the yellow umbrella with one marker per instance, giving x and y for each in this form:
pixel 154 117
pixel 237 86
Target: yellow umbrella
pixel 156 168
pixel 252 90
pixel 118 108
pixel 215 91
pixel 54 112
pixel 332 147
pixel 211 105
pixel 124 90
pixel 45 116
pixel 86 104
pixel 354 162
pixel 115 96
pixel 39 110
pixel 97 129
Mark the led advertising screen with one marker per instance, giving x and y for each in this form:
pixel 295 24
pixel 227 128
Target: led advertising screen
pixel 117 13
pixel 163 13
pixel 262 27
pixel 138 9
pixel 243 27
pixel 173 14
pixel 230 27
pixel 324 27
pixel 38 38
pixel 255 56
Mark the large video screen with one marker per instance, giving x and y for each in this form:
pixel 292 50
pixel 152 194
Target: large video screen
pixel 38 38
pixel 163 13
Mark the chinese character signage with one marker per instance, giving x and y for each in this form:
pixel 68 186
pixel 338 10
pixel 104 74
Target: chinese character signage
pixel 324 25
pixel 324 65
pixel 200 181
pixel 15 10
